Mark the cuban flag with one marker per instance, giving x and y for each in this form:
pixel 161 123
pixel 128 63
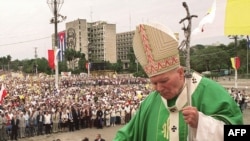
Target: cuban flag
pixel 61 45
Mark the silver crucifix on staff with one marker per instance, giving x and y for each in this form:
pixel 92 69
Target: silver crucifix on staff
pixel 185 47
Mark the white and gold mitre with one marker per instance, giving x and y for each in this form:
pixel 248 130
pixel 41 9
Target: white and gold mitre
pixel 156 48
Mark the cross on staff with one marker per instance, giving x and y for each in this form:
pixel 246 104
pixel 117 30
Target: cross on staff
pixel 185 44
pixel 185 47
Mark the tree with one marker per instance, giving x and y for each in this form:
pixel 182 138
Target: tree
pixel 8 59
pixel 118 66
pixel 132 63
pixel 42 65
pixel 73 57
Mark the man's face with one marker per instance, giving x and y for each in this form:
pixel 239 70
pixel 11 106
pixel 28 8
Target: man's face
pixel 169 84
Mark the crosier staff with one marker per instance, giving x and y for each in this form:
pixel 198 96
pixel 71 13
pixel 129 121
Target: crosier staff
pixel 185 47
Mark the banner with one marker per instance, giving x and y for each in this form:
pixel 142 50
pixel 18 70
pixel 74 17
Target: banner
pixel 207 19
pixel 51 59
pixel 237 20
pixel 65 74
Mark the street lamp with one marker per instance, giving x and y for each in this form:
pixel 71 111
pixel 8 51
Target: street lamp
pixel 55 6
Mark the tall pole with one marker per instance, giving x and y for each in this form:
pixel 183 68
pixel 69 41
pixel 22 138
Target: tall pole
pixel 55 47
pixel 36 60
pixel 54 6
pixel 236 73
pixel 235 37
pixel 248 45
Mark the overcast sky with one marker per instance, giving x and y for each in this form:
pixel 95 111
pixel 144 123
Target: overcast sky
pixel 25 24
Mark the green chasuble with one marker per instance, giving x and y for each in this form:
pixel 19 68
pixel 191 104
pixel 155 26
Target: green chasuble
pixel 154 121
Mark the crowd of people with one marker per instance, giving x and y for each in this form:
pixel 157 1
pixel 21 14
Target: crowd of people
pixel 80 102
pixel 241 97
pixel 34 107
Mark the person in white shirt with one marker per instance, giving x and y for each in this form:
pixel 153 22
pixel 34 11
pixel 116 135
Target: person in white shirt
pixel 93 118
pixel 55 121
pixel 128 113
pixel 123 113
pixel 47 122
pixel 64 119
pixel 107 116
pixel 113 116
pixel 22 125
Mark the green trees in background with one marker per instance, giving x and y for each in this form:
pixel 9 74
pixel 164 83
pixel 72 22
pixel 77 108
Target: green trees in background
pixel 202 59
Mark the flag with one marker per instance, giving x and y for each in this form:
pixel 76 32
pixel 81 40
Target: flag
pixel 88 65
pixel 51 59
pixel 237 20
pixel 208 18
pixel 235 62
pixel 61 44
pixel 56 56
pixel 3 93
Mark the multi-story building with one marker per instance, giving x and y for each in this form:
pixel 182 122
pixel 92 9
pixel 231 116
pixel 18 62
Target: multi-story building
pixel 124 44
pixel 77 36
pixel 102 42
pixel 97 40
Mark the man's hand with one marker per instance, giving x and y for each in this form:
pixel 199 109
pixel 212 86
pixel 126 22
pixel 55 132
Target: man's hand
pixel 191 116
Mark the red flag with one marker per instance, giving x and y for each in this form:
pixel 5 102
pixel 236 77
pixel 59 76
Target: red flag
pixel 3 93
pixel 87 65
pixel 237 62
pixel 51 59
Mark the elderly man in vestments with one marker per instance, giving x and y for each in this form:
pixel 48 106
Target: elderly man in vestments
pixel 165 115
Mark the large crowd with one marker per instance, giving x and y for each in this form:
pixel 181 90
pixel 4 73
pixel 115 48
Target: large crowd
pixel 240 96
pixel 35 107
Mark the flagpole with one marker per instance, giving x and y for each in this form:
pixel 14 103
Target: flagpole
pixel 248 45
pixel 235 37
pixel 236 73
pixel 55 7
pixel 88 69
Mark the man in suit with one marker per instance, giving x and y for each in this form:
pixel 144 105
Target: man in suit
pixel 99 115
pixel 40 122
pixel 99 138
pixel 14 129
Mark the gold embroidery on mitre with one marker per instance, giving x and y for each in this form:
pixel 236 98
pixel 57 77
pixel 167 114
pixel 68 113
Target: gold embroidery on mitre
pixel 165 129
